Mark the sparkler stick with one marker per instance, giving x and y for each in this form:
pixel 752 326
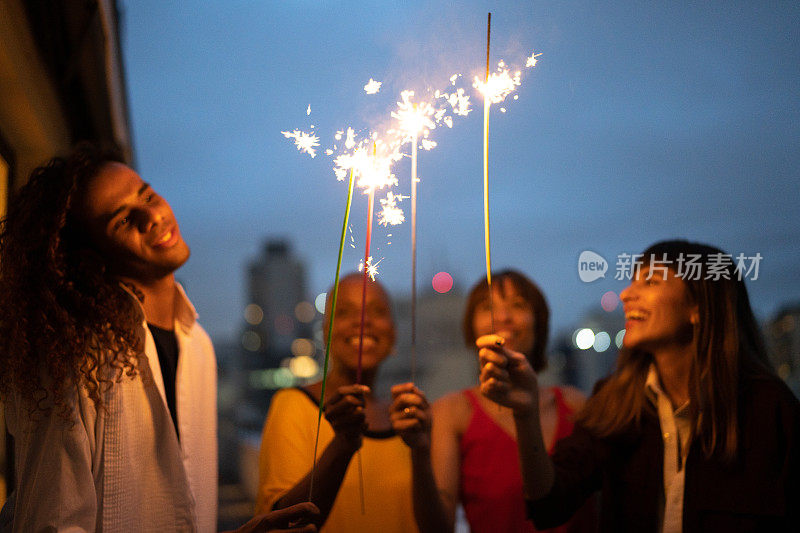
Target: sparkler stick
pixel 330 330
pixel 487 102
pixel 370 208
pixel 414 258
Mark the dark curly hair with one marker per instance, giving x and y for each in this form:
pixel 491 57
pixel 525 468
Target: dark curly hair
pixel 65 321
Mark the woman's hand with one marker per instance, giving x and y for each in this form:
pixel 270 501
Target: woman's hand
pixel 299 518
pixel 506 376
pixel 344 410
pixel 411 416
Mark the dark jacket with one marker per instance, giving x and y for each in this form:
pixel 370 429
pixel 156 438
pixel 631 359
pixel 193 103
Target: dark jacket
pixel 760 491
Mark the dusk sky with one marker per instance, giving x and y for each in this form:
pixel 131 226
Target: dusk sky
pixel 641 121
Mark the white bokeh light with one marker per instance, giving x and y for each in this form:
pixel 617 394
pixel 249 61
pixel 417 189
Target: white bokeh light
pixel 601 342
pixel 584 338
pixel 319 302
pixel 619 337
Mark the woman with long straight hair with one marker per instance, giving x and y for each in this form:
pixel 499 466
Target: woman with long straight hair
pixel 691 432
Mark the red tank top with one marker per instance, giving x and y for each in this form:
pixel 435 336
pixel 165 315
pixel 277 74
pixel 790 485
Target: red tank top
pixel 491 482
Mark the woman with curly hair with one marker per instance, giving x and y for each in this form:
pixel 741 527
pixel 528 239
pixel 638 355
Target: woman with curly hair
pixel 691 432
pixel 108 382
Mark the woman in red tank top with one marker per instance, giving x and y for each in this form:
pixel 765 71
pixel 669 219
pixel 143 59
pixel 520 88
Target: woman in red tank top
pixel 473 448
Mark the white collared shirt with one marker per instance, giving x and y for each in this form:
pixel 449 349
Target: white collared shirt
pixel 122 467
pixel 675 432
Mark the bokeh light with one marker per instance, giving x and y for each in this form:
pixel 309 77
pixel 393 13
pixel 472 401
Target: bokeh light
pixel 253 314
pixel 442 282
pixel 601 342
pixel 284 325
pixel 303 366
pixel 609 301
pixel 319 302
pixel 584 338
pixel 251 341
pixel 304 312
pixel 302 348
pixel 619 337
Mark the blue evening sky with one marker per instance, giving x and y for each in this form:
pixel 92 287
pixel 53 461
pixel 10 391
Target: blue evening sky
pixel 643 120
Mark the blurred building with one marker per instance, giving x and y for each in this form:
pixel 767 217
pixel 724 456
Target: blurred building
pixel 277 345
pixel 61 80
pixel 782 336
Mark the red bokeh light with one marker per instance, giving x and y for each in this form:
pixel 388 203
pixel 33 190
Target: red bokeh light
pixel 442 282
pixel 609 301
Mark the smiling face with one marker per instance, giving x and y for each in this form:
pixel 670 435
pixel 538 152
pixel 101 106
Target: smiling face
pixel 379 333
pixel 513 317
pixel 130 225
pixel 659 311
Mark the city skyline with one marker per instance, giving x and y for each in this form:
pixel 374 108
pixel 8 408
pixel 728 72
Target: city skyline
pixel 639 123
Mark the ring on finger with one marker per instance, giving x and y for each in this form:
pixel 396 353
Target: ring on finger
pixel 407 411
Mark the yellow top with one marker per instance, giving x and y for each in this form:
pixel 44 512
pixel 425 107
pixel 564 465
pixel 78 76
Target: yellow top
pixel 287 446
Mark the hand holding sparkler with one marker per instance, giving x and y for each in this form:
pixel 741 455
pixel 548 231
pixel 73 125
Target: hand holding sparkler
pixel 507 377
pixel 411 416
pixel 344 411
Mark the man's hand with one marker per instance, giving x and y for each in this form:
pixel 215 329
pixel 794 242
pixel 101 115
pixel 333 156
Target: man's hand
pixel 411 416
pixel 300 518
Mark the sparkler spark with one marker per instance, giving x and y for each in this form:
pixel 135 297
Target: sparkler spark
pixel 305 142
pixel 372 171
pixel 414 119
pixel 372 87
pixel 372 268
pixel 459 101
pixel 531 61
pixel 308 111
pixel 391 214
pixel 499 85
pixel 350 142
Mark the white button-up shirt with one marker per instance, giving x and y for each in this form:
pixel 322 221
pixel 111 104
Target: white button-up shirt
pixel 122 467
pixel 675 431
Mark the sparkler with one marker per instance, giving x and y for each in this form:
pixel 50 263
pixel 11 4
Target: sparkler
pixel 487 102
pixel 495 88
pixel 370 206
pixel 370 180
pixel 415 120
pixel 330 330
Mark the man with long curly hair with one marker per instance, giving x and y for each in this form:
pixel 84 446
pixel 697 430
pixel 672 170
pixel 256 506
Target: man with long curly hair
pixel 108 381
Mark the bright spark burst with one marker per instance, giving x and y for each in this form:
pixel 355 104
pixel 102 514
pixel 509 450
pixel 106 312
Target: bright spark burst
pixel 531 61
pixel 371 171
pixel 308 111
pixel 427 144
pixel 305 142
pixel 414 119
pixel 372 268
pixel 391 214
pixel 372 87
pixel 350 142
pixel 500 84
